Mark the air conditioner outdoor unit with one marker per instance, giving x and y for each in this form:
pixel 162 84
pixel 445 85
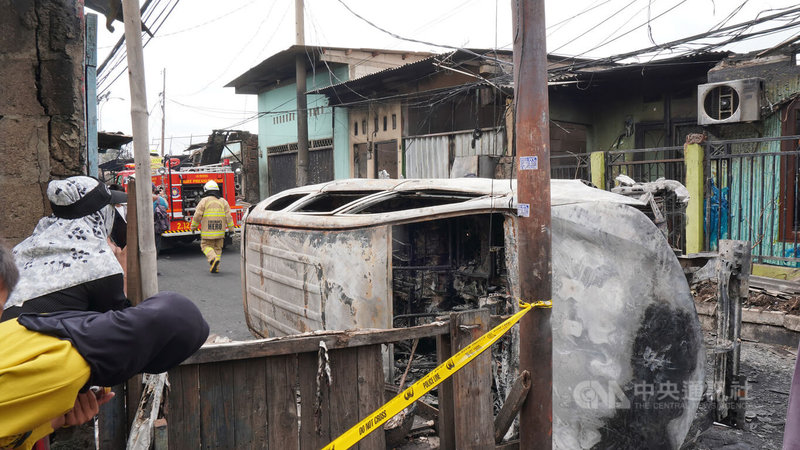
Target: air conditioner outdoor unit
pixel 729 101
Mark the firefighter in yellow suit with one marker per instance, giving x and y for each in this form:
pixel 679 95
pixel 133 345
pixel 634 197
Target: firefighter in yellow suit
pixel 213 216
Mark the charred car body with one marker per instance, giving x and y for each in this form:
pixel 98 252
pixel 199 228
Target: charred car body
pixel 627 346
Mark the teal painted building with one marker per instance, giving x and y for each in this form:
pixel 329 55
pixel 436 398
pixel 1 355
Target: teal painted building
pixel 273 82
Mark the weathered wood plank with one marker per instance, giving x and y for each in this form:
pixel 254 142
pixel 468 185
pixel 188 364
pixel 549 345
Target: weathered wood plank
pixel 447 438
pixel 343 390
pixel 300 344
pixel 133 393
pixel 370 392
pixel 112 421
pixel 281 380
pixel 216 405
pixel 512 405
pixel 183 407
pixel 510 445
pixel 315 431
pixel 160 436
pixel 472 388
pixel 250 403
pixel 141 435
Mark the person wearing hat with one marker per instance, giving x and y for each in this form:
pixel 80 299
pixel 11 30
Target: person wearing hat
pixel 49 362
pixel 69 263
pixel 213 216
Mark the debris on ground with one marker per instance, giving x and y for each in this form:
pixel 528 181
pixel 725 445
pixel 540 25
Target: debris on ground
pixel 706 291
pixel 769 370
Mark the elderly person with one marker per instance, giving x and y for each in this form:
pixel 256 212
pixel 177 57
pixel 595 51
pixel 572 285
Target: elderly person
pixel 48 362
pixel 69 262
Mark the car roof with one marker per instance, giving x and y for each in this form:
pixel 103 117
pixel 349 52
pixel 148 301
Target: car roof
pixel 470 196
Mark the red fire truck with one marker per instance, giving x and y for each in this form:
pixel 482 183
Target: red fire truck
pixel 183 188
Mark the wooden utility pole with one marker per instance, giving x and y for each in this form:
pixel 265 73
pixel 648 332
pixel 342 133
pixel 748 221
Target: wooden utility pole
pixel 141 153
pixel 532 139
pixel 302 105
pixel 163 108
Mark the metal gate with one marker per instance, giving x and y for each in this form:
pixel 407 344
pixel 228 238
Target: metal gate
pixel 282 170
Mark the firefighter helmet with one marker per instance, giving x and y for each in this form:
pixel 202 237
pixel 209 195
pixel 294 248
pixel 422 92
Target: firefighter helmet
pixel 210 185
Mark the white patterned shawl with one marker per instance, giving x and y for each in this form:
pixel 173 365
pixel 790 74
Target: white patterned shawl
pixel 62 253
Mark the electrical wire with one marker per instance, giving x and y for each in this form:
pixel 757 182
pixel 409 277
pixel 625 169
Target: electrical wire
pixel 595 26
pixel 215 19
pixel 272 36
pixel 397 36
pixel 158 22
pixel 228 66
pixel 558 25
pixel 783 14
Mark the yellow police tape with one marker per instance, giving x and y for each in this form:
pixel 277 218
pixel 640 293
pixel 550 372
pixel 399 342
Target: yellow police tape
pixel 430 381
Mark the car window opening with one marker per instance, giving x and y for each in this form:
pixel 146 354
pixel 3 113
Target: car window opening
pixel 331 201
pixel 403 201
pixel 283 202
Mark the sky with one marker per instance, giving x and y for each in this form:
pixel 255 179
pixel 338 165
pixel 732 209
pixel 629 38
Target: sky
pixel 204 44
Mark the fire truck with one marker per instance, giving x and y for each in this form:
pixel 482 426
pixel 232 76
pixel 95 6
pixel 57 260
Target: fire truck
pixel 183 188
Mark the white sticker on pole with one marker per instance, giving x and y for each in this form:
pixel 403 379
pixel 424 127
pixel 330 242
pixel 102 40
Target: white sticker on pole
pixel 528 163
pixel 523 210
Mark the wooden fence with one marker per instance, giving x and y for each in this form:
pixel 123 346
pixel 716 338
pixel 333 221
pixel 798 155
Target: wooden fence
pixel 271 394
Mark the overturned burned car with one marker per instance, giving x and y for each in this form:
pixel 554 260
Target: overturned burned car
pixel 627 345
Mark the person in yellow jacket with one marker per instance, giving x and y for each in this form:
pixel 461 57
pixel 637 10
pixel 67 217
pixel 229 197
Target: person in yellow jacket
pixel 213 216
pixel 51 363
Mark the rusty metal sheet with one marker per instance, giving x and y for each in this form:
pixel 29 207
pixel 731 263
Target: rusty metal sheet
pixel 427 157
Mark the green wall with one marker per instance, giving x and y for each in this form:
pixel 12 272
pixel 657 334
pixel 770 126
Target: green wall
pixel 278 124
pixel 341 143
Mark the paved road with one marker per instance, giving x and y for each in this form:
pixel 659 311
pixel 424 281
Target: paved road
pixel 184 269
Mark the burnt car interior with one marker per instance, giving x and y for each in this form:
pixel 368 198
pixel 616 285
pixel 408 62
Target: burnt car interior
pixel 445 265
pixel 448 264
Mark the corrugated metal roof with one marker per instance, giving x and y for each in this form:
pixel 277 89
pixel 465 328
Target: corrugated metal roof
pixel 380 81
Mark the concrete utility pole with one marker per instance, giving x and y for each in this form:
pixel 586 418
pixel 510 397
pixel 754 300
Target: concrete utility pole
pixel 302 105
pixel 141 153
pixel 532 138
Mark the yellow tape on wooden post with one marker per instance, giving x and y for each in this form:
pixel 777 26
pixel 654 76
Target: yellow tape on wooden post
pixel 430 381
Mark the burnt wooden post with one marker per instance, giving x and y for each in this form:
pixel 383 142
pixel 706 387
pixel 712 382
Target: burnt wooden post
pixel 532 144
pixel 733 285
